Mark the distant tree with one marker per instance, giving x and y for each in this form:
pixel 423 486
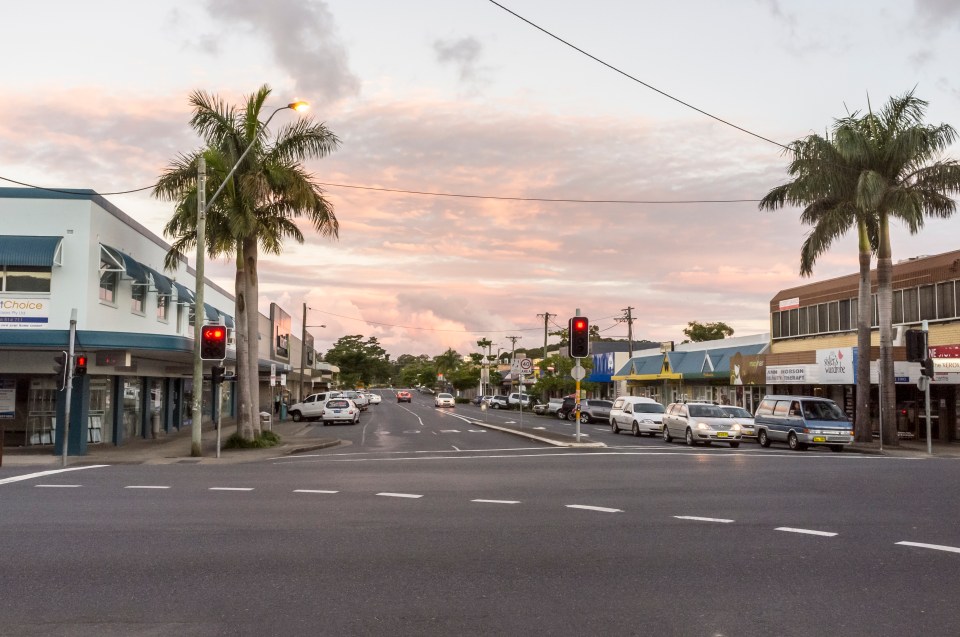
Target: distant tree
pixel 698 332
pixel 360 361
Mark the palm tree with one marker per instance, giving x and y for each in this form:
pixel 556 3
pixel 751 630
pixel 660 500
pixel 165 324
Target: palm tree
pixel 874 168
pixel 447 362
pixel 256 210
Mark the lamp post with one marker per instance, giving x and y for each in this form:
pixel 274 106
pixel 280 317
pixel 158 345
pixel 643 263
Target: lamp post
pixel 303 347
pixel 196 449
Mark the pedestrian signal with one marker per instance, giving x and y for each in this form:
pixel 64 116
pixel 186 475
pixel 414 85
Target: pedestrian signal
pixel 213 342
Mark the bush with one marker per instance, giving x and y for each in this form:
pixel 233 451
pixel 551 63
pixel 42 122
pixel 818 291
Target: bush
pixel 461 401
pixel 264 440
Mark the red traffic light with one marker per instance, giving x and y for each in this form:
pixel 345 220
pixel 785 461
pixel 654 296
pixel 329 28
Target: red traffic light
pixel 579 325
pixel 80 365
pixel 579 346
pixel 213 342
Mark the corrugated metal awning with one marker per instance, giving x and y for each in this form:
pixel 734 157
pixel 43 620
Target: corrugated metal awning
pixel 30 251
pixel 212 313
pixel 228 321
pixel 162 282
pixel 184 295
pixel 130 266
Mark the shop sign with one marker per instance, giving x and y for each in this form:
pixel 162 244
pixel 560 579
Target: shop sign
pixel 836 366
pixel 748 369
pixel 24 313
pixel 8 397
pixel 945 351
pixel 790 304
pixel 789 375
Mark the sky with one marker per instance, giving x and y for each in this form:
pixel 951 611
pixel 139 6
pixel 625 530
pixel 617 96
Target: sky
pixel 466 98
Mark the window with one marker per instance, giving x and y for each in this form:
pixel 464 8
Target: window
pixel 775 325
pixel 911 306
pixel 875 320
pixel 946 300
pixel 163 304
pixel 897 307
pixel 192 317
pixel 928 302
pixel 138 295
pixel 179 317
pixel 26 278
pixel 844 315
pixel 108 286
pixel 822 318
pixel 795 322
pixel 834 311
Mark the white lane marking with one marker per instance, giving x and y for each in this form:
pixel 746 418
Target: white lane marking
pixel 415 415
pixel 455 447
pixel 144 486
pixel 510 422
pixel 541 428
pixel 497 501
pixel 231 488
pixel 699 519
pixel 449 431
pixel 40 474
pixel 412 431
pixel 586 507
pixel 935 547
pixel 477 431
pixel 400 495
pixel 313 491
pixel 57 486
pixel 806 531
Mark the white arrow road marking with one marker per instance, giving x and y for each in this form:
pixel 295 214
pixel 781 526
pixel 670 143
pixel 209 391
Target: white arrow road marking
pixel 935 547
pixel 400 495
pixel 57 486
pixel 497 501
pixel 313 491
pixel 591 508
pixel 49 473
pixel 231 488
pixel 806 531
pixel 699 519
pixel 144 486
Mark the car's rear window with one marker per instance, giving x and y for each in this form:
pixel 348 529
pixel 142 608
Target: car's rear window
pixel 648 408
pixel 338 403
pixel 706 411
pixel 736 412
pixel 444 395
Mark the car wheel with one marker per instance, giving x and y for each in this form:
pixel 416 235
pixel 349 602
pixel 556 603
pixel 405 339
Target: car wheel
pixel 837 448
pixel 636 430
pixel 561 415
pixel 495 405
pixel 762 438
pixel 666 435
pixel 296 416
pixel 734 445
pixel 356 420
pixel 690 441
pixel 614 427
pixel 794 443
pixel 585 418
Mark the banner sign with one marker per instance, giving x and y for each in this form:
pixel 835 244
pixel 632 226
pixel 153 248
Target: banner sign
pixel 8 397
pixel 24 313
pixel 836 366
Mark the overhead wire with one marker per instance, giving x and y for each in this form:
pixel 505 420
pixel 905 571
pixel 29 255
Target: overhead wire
pixel 427 329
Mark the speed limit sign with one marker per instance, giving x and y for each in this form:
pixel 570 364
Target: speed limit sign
pixel 526 365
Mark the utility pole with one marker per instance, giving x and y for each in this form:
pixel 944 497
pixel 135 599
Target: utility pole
pixel 546 319
pixel 628 319
pixel 196 447
pixel 513 355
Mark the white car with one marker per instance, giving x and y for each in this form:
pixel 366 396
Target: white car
pixel 373 398
pixel 636 414
pixel 311 406
pixel 339 410
pixel 359 399
pixel 444 400
pixel 743 418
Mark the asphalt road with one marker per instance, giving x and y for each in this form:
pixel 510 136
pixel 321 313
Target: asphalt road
pixel 449 532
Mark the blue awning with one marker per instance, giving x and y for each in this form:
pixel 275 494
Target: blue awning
pixel 184 295
pixel 30 251
pixel 212 313
pixel 163 283
pixel 133 268
pixel 228 321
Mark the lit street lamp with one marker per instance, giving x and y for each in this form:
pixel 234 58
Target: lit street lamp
pixel 202 207
pixel 303 347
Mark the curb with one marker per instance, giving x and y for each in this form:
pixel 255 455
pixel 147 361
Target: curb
pixel 321 445
pixel 533 436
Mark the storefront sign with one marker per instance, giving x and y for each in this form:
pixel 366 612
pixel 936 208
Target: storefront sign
pixel 790 304
pixel 24 313
pixel 748 369
pixel 789 375
pixel 836 366
pixel 945 351
pixel 8 397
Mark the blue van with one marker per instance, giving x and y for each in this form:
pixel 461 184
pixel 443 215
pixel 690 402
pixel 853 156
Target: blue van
pixel 801 421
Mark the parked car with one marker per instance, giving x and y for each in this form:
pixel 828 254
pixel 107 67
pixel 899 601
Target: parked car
pixel 373 398
pixel 636 414
pixel 541 408
pixel 552 406
pixel 358 398
pixel 514 399
pixel 699 422
pixel 479 400
pixel 568 405
pixel 444 400
pixel 404 397
pixel 743 418
pixel 311 406
pixel 339 410
pixel 592 410
pixel 802 421
pixel 499 402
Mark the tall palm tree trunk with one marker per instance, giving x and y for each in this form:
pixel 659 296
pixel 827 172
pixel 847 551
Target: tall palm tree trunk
pixel 245 407
pixel 888 390
pixel 863 428
pixel 251 294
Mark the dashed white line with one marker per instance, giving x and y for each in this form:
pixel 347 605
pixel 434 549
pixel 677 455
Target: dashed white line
pixel 935 547
pixel 400 495
pixel 497 501
pixel 477 431
pixel 586 507
pixel 144 486
pixel 57 486
pixel 51 472
pixel 699 519
pixel 313 491
pixel 449 431
pixel 231 488
pixel 806 531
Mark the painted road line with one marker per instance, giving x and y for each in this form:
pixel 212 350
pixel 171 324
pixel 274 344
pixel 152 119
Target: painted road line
pixel 477 431
pixel 400 495
pixel 449 431
pixel 806 531
pixel 591 508
pixel 541 428
pixel 231 488
pixel 699 519
pixel 935 547
pixel 313 491
pixel 40 474
pixel 57 486
pixel 144 486
pixel 497 501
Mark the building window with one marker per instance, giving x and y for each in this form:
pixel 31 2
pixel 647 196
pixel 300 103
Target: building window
pixel 844 315
pixel 775 325
pixel 795 322
pixel 108 286
pixel 833 309
pixel 138 295
pixel 897 307
pixel 875 321
pixel 804 324
pixel 823 321
pixel 192 316
pixel 946 300
pixel 928 302
pixel 911 306
pixel 163 304
pixel 25 278
pixel 179 317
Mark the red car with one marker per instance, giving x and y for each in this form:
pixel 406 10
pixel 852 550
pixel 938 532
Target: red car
pixel 404 397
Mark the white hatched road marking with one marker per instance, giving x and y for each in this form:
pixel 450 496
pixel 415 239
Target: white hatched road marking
pixel 935 547
pixel 497 501
pixel 313 491
pixel 41 474
pixel 57 486
pixel 699 519
pixel 400 495
pixel 805 531
pixel 231 488
pixel 587 507
pixel 144 486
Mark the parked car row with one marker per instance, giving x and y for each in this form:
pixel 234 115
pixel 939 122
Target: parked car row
pixel 333 406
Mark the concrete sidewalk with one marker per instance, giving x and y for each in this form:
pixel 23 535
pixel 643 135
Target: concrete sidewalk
pixel 175 448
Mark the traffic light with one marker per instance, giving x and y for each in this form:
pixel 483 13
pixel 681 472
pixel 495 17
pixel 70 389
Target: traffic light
pixel 213 342
pixel 926 368
pixel 216 374
pixel 579 329
pixel 80 365
pixel 60 367
pixel 916 341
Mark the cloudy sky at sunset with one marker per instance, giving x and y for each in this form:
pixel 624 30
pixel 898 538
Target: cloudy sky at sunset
pixel 460 96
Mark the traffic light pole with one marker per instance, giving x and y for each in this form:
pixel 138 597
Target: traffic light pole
pixel 196 447
pixel 68 364
pixel 926 389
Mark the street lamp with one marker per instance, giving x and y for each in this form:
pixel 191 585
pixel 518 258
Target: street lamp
pixel 196 449
pixel 303 347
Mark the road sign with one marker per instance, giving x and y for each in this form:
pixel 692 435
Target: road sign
pixel 526 365
pixel 578 372
pixel 273 374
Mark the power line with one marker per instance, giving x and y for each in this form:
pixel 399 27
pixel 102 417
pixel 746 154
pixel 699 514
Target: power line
pixel 637 80
pixel 428 329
